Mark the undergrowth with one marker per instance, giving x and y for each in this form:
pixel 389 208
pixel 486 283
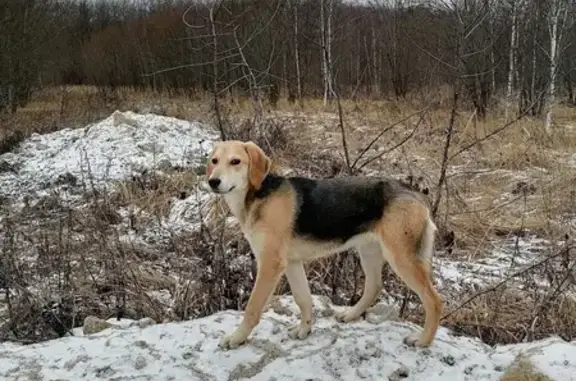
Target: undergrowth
pixel 114 257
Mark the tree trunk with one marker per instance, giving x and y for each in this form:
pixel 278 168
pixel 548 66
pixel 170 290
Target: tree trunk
pixel 323 47
pixel 554 34
pixel 297 52
pixel 375 79
pixel 329 45
pixel 511 58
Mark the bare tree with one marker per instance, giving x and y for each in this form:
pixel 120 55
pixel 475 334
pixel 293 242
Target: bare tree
pixel 557 20
pixel 515 5
pixel 294 4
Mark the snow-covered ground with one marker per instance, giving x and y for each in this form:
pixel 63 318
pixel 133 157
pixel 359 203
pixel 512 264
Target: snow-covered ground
pixel 505 259
pixel 365 350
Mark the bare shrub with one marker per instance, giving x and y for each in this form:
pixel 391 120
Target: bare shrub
pixel 10 139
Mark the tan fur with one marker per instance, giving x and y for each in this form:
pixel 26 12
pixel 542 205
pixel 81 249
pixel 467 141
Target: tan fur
pixel 403 238
pixel 259 164
pixel 401 231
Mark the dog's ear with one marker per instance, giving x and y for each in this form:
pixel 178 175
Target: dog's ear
pixel 259 164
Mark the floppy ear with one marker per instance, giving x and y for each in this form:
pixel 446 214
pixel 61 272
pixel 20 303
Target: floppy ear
pixel 259 164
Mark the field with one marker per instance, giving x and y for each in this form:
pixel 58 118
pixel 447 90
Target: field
pixel 103 210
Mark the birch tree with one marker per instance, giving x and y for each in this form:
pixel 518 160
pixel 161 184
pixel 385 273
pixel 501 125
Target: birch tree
pixel 557 24
pixel 294 4
pixel 326 15
pixel 514 6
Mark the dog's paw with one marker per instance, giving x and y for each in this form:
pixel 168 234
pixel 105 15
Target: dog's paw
pixel 232 341
pixel 299 331
pixel 415 341
pixel 347 316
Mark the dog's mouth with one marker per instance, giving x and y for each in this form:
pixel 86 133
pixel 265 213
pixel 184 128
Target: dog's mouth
pixel 224 192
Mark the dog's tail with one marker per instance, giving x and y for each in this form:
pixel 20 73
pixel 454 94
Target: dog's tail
pixel 426 247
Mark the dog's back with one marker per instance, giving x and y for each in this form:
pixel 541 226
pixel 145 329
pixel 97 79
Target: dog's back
pixel 337 209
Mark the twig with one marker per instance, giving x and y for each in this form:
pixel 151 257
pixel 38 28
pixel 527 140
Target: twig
pixel 373 141
pixel 445 158
pixel 341 124
pixel 506 279
pixel 395 146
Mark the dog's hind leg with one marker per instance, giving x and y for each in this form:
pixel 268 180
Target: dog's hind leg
pixel 296 276
pixel 372 260
pixel 407 234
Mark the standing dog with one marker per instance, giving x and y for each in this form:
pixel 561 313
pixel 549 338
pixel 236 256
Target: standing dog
pixel 290 220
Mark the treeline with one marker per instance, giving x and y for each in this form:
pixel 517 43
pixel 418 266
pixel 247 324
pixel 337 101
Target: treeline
pixel 520 49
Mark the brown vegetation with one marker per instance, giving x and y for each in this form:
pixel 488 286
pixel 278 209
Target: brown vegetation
pixel 180 276
pixel 414 92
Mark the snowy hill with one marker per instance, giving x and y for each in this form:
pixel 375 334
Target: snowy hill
pixel 111 149
pixel 365 350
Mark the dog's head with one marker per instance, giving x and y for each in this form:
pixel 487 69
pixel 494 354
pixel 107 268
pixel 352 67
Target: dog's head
pixel 236 166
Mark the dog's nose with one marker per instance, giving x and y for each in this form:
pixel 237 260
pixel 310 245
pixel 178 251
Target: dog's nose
pixel 214 183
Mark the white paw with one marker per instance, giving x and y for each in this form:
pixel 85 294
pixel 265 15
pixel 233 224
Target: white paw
pixel 232 341
pixel 347 316
pixel 415 341
pixel 299 331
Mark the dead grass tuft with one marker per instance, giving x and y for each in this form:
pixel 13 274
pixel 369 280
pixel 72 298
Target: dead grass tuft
pixel 153 192
pixel 524 370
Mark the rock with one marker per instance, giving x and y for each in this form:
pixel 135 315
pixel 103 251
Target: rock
pixel 164 164
pixel 70 364
pixel 187 355
pixel 449 360
pixel 141 344
pixel 470 369
pixel 146 322
pixel 140 363
pixel 6 167
pixel 119 118
pixel 92 324
pixel 381 313
pixel 147 146
pixel 104 372
pixel 400 373
pixel 66 179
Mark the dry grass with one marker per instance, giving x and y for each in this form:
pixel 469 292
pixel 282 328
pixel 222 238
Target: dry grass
pixel 524 370
pixel 154 193
pixel 516 181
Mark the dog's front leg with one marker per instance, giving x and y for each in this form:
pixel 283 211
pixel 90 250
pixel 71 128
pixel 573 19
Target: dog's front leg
pixel 271 267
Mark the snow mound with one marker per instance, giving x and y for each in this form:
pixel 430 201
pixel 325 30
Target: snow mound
pixel 112 149
pixel 365 350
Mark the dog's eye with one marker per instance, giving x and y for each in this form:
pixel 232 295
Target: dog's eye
pixel 235 161
pixel 214 161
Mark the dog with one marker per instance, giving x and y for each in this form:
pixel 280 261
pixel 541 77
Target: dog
pixel 291 220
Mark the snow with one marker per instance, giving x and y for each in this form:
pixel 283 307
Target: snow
pixel 507 258
pixel 112 149
pixel 334 351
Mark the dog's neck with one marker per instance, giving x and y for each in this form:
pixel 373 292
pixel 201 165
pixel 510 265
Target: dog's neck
pixel 236 201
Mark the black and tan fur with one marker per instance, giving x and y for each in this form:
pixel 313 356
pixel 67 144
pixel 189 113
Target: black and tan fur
pixel 291 220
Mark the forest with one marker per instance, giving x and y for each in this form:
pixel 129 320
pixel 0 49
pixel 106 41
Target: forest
pixel 520 51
